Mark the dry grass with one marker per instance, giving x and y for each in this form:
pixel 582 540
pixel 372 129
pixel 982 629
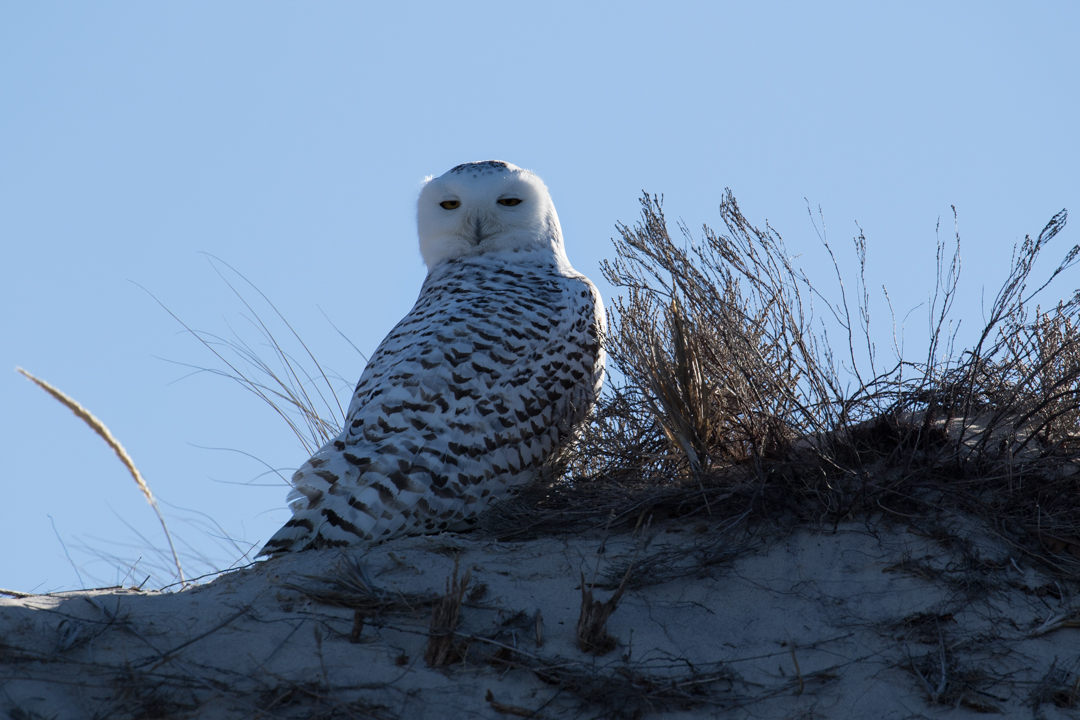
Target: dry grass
pixel 592 634
pixel 443 646
pixel 350 587
pixel 714 341
pixel 99 427
pixel 303 396
pixel 1060 687
pixel 736 409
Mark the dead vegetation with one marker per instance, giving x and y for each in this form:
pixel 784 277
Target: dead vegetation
pixel 350 587
pixel 304 397
pixel 443 646
pixel 734 406
pixel 592 634
pixel 1060 687
pixel 103 432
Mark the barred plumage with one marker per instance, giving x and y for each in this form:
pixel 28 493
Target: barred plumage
pixel 476 387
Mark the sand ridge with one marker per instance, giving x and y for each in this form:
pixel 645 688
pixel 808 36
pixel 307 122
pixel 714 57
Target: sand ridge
pixel 864 621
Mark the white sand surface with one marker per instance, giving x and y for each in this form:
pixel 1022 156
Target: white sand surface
pixel 865 621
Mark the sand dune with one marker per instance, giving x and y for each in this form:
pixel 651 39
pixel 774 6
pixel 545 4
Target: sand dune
pixel 869 621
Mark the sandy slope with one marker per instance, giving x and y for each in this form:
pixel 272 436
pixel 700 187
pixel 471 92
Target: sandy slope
pixel 811 624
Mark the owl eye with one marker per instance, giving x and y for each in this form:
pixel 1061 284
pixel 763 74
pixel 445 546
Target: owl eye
pixel 450 204
pixel 509 202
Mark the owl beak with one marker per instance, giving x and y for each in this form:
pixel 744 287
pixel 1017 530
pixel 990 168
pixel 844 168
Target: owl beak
pixel 478 228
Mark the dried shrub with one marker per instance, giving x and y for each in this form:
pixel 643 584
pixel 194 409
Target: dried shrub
pixel 733 402
pixel 714 340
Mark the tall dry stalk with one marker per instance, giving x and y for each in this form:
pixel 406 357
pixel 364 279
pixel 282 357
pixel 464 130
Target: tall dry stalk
pixel 100 428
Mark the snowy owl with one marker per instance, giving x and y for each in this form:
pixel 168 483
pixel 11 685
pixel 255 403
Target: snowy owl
pixel 483 380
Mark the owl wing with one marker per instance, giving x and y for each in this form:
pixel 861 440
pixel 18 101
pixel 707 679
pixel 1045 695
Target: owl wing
pixel 469 394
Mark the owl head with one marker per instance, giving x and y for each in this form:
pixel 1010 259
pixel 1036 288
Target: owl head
pixel 485 207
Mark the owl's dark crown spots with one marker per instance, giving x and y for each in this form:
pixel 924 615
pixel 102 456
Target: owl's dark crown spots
pixel 483 167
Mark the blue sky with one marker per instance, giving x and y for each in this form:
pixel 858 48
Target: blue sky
pixel 290 139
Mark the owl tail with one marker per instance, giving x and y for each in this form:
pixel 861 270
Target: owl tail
pixel 293 536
